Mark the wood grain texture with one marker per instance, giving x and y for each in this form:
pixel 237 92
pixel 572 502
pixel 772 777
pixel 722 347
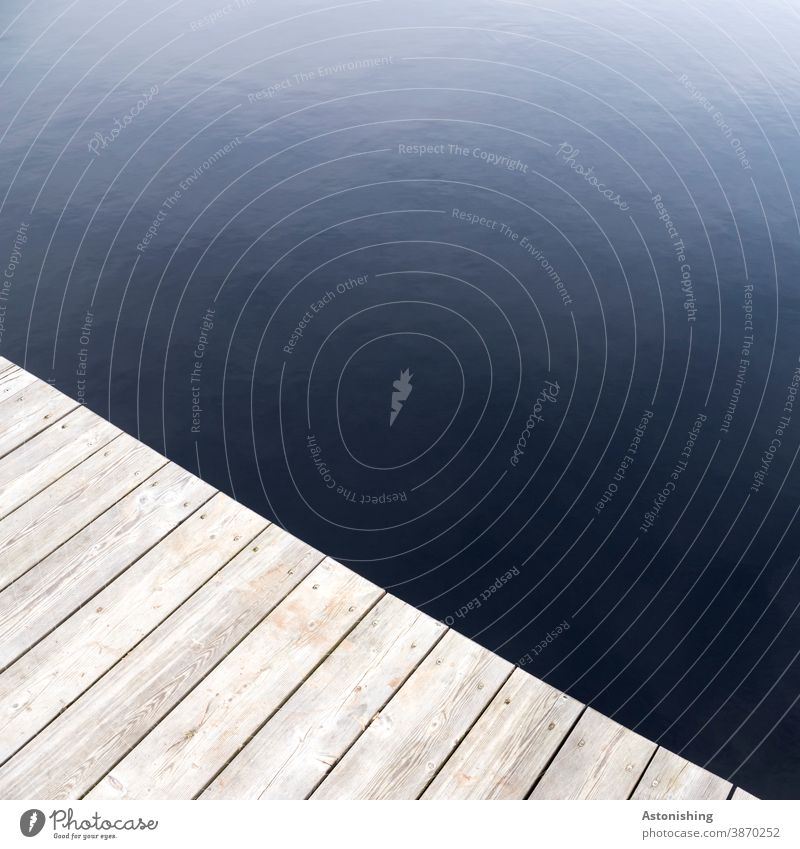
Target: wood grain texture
pixel 670 776
pixel 294 751
pixel 181 755
pixel 740 795
pixel 509 747
pixel 27 407
pixel 12 381
pixel 50 518
pixel 57 586
pixel 401 751
pixel 599 760
pixel 164 641
pixel 70 659
pixel 69 756
pixel 36 464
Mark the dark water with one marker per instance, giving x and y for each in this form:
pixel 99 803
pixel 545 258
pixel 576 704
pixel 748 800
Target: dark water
pixel 222 233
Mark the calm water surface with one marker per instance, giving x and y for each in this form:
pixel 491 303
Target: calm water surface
pixel 495 302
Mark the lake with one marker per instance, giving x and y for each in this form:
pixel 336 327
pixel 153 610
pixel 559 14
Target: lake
pixel 495 302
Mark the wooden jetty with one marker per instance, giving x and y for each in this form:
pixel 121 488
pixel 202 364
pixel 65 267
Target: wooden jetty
pixel 159 640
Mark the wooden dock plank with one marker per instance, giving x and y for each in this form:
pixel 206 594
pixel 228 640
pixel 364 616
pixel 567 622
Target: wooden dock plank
pixel 33 466
pixel 401 751
pixel 740 795
pixel 509 747
pixel 184 752
pixel 50 518
pixel 58 585
pixel 12 381
pixel 175 644
pixel 670 776
pixel 70 659
pixel 296 749
pixel 27 407
pixel 599 760
pixel 69 756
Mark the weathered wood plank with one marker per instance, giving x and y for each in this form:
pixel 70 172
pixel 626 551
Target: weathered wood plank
pixel 12 381
pixel 670 776
pixel 294 751
pixel 164 644
pixel 81 745
pixel 57 586
pixel 599 760
pixel 509 747
pixel 401 751
pixel 182 754
pixel 50 518
pixel 740 795
pixel 27 407
pixel 70 659
pixel 36 464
